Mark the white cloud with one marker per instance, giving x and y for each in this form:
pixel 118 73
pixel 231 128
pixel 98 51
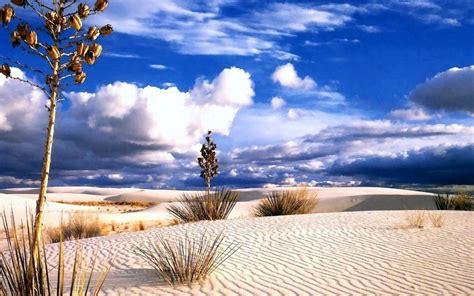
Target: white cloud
pixel 278 102
pixel 286 76
pixel 153 115
pixel 410 114
pixel 292 114
pixel 158 67
pixel 121 55
pixel 452 91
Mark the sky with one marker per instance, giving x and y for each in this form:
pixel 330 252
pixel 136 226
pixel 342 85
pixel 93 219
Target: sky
pixel 325 93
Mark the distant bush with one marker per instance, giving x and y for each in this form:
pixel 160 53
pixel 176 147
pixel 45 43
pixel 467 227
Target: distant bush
pixel 216 205
pixel 293 202
pixel 456 202
pixel 79 226
pixel 186 260
pixel 15 260
pixel 416 219
pixel 437 219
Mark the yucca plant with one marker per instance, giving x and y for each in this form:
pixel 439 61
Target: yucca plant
pixel 453 202
pixel 294 202
pixel 64 47
pixel 216 205
pixel 186 259
pixel 14 271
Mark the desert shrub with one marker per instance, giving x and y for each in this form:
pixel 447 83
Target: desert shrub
pixel 79 226
pixel 15 261
pixel 288 202
pixel 436 219
pixel 416 219
pixel 216 205
pixel 186 259
pixel 453 202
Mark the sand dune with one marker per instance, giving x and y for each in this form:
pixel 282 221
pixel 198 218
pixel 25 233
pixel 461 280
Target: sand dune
pixel 335 253
pixel 330 200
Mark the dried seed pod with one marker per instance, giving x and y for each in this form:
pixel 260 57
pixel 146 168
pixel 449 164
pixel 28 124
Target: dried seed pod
pixel 80 77
pixel 53 52
pixel 7 14
pixel 75 58
pixel 32 38
pixel 23 30
pixel 75 67
pixel 75 22
pixel 93 33
pixel 15 38
pixel 19 2
pixel 89 58
pixel 83 10
pixel 106 30
pixel 101 5
pixel 81 49
pixel 96 49
pixel 5 70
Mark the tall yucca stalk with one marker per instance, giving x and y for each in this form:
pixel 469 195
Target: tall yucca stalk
pixel 14 267
pixel 208 161
pixel 65 47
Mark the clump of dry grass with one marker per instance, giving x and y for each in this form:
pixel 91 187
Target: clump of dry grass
pixel 204 206
pixel 186 259
pixel 453 202
pixel 139 226
pixel 287 202
pixel 79 226
pixel 416 219
pixel 137 204
pixel 14 267
pixel 437 219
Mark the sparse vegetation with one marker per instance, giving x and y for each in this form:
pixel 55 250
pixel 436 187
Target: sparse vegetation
pixel 293 202
pixel 14 278
pixel 416 219
pixel 437 219
pixel 453 202
pixel 186 259
pixel 79 226
pixel 133 204
pixel 216 205
pixel 208 161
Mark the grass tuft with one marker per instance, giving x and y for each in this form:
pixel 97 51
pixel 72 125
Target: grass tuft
pixel 79 226
pixel 416 219
pixel 186 259
pixel 14 267
pixel 203 206
pixel 288 202
pixel 437 219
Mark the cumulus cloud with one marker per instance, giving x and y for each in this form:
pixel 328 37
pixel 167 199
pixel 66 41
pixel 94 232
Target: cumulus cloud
pixel 119 125
pixel 452 91
pixel 277 102
pixel 286 76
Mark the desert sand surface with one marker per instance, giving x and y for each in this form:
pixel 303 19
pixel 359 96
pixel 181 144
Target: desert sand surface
pixel 335 199
pixel 362 253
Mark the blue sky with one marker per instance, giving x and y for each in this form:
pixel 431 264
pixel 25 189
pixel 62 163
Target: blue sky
pixel 316 92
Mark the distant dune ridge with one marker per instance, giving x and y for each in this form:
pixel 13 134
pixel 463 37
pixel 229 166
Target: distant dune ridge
pixel 368 249
pixel 336 199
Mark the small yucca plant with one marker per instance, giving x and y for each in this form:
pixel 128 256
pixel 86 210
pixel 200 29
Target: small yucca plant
pixel 186 259
pixel 453 202
pixel 287 202
pixel 216 205
pixel 14 267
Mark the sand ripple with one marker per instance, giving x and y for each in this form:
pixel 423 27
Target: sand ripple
pixel 337 253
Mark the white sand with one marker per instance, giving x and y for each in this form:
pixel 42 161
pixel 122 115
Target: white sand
pixel 335 253
pixel 330 200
